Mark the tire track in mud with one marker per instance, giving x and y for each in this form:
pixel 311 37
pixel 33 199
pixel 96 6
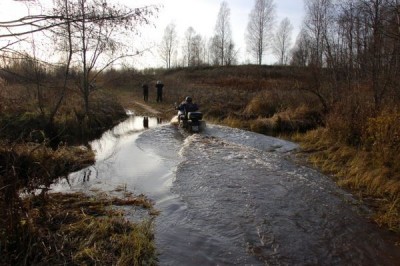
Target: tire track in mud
pixel 147 108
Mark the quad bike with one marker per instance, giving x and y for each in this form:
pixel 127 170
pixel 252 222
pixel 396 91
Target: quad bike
pixel 191 121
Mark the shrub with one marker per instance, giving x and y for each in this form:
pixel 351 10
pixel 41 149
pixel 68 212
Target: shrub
pixel 382 138
pixel 75 229
pixel 263 126
pixel 235 122
pixel 348 118
pixel 265 104
pixel 290 121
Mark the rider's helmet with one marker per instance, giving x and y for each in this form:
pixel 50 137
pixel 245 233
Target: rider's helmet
pixel 188 99
pixel 158 81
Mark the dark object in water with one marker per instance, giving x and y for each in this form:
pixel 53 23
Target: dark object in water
pixel 145 122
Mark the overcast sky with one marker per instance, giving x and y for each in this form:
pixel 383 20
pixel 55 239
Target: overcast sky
pixel 202 16
pixel 199 14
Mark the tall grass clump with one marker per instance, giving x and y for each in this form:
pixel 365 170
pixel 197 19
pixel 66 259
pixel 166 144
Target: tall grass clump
pixel 282 112
pixel 362 152
pixel 75 229
pixel 348 118
pixel 265 104
pixel 382 139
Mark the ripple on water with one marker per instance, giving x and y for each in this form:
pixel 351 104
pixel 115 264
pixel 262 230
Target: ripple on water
pixel 261 206
pixel 228 196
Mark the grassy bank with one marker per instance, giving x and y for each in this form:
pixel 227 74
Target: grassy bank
pixel 359 171
pixel 76 229
pixel 38 227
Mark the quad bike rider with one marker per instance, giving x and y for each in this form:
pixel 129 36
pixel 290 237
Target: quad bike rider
pixel 189 117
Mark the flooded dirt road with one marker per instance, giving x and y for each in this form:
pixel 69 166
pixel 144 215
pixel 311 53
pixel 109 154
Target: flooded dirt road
pixel 231 197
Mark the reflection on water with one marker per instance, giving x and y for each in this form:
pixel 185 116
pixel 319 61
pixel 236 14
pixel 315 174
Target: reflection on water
pixel 145 122
pixel 120 162
pixel 229 196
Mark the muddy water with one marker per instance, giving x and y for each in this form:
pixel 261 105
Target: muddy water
pixel 228 196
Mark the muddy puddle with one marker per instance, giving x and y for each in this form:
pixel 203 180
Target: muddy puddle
pixel 231 197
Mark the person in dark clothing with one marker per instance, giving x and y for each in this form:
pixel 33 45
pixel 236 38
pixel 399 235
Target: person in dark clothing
pixel 187 106
pixel 145 92
pixel 159 86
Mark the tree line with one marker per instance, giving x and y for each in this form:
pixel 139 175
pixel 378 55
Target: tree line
pixel 357 42
pixel 220 49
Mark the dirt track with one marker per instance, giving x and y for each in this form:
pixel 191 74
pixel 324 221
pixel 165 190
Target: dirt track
pixel 146 108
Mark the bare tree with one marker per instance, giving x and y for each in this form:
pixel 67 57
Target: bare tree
pixel 347 31
pixel 301 52
pixel 211 47
pixel 214 51
pixel 188 45
pixel 204 48
pixel 317 22
pixel 169 44
pixel 96 30
pixel 282 41
pixel 316 26
pixel 194 49
pixel 197 50
pixel 92 29
pixel 259 28
pixel 231 55
pixel 223 35
pixel 382 48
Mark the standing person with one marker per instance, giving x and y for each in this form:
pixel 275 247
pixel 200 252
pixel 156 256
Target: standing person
pixel 145 92
pixel 159 86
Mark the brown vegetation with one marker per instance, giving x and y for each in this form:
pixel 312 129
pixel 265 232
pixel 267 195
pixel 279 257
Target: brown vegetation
pixel 35 151
pixel 76 229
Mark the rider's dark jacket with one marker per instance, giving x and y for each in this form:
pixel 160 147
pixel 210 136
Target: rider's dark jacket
pixel 187 107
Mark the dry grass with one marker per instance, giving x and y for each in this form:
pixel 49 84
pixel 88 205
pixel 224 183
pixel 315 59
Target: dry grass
pixel 356 170
pixel 382 139
pixel 74 229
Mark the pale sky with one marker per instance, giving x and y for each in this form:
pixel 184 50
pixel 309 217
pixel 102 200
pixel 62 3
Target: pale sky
pixel 202 16
pixel 199 14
